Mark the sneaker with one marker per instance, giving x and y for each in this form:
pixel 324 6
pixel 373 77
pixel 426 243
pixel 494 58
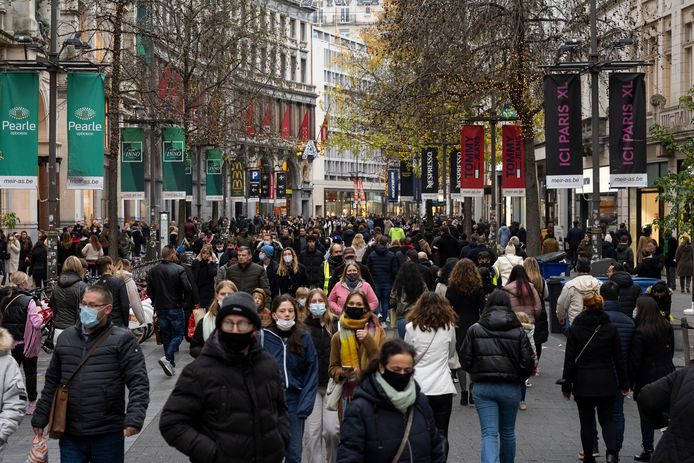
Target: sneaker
pixel 645 456
pixel 596 453
pixel 31 408
pixel 523 406
pixel 464 398
pixel 528 384
pixel 169 370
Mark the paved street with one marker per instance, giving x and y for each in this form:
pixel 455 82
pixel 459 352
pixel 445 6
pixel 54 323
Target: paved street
pixel 546 432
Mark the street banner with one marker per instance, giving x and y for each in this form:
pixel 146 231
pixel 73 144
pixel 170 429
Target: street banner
pixel 250 119
pixel 237 179
pixel 267 119
pixel 173 163
pixel 430 173
pixel 627 130
pixel 406 182
pixel 563 131
pixel 254 183
pixel 393 185
pixel 324 128
pixel 455 170
pixel 284 130
pixel 356 189
pixel 304 128
pixel 281 185
pixel 265 185
pixel 472 162
pixel 86 119
pixel 214 186
pixel 362 194
pixel 19 134
pixel 132 163
pixel 189 176
pixel 513 169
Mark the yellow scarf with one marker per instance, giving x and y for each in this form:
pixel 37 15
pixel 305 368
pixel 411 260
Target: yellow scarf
pixel 349 345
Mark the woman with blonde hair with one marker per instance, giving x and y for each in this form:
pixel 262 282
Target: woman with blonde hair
pixel 291 275
pixel 67 295
pixel 122 271
pixel 91 252
pixel 359 246
pixel 206 325
pixel 350 282
pixel 541 334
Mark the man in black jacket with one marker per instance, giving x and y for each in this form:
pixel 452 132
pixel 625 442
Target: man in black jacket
pixel 383 266
pixel 120 314
pixel 313 260
pixel 573 239
pixel 349 255
pixel 169 287
pixel 97 417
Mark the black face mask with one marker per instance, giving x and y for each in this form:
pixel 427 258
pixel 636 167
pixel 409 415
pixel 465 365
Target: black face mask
pixel 235 342
pixel 355 313
pixel 337 260
pixel 398 381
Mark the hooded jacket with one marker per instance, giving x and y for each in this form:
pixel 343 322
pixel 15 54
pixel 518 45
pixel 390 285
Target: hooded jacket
pixel 628 292
pixel 373 428
pixel 625 256
pixel 623 323
pixel 383 265
pixel 13 395
pixel 570 302
pixel 228 408
pixel 313 261
pixel 496 349
pixel 65 300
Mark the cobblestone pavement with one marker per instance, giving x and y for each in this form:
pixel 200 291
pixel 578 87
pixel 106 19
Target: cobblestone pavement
pixel 547 432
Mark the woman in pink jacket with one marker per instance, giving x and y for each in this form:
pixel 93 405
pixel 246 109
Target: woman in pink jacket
pixel 350 281
pixel 523 295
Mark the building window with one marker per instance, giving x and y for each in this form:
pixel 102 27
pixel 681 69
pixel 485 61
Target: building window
pixel 273 18
pixel 292 70
pixel 292 28
pixel 344 14
pixel 344 32
pixel 283 29
pixel 302 30
pixel 283 66
pixel 303 70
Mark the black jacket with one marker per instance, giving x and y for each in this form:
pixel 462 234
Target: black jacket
pixel 120 315
pixel 447 247
pixel 628 292
pixel 321 336
pixel 650 267
pixel 228 408
pixel 496 349
pixel 38 256
pixel 15 310
pixel 204 273
pixel 468 307
pixel 600 370
pixel 625 256
pixel 168 286
pixel 624 324
pixel 288 284
pixel 383 265
pixel 96 402
pixel 373 428
pixel 65 300
pixel 313 261
pixel 650 359
pixel 672 395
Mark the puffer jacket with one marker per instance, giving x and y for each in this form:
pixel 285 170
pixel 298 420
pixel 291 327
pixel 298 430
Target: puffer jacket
pixel 13 395
pixel 373 428
pixel 321 335
pixel 570 302
pixel 669 402
pixel 628 292
pixel 249 277
pixel 96 402
pixel 313 261
pixel 168 286
pixel 625 256
pixel 496 349
pixel 623 323
pixel 228 408
pixel 650 359
pixel 299 371
pixel 532 310
pixel 65 300
pixel 383 265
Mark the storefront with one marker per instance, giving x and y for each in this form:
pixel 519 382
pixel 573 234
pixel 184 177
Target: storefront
pixel 341 202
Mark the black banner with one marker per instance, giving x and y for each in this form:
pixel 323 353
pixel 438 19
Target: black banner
pixel 430 172
pixel 563 132
pixel 281 185
pixel 254 183
pixel 627 130
pixel 265 185
pixel 455 170
pixel 393 186
pixel 406 181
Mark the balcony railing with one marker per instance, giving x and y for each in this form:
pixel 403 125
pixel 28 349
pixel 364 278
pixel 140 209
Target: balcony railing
pixel 676 118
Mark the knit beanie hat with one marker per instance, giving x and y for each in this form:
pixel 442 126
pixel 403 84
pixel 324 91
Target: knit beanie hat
pixel 238 304
pixel 268 250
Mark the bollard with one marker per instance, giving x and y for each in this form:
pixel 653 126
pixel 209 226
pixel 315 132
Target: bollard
pixel 685 342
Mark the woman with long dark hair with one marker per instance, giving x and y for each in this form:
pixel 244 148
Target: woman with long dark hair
pixel 523 295
pixel 407 288
pixel 291 275
pixel 444 275
pixel 291 346
pixel 650 358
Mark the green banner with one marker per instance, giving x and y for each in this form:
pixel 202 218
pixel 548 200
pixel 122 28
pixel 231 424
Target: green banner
pixel 86 120
pixel 19 130
pixel 189 176
pixel 214 189
pixel 132 163
pixel 173 163
pixel 237 180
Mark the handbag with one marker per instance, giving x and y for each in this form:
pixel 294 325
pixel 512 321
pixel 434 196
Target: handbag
pixel 406 436
pixel 586 345
pixel 333 395
pixel 58 417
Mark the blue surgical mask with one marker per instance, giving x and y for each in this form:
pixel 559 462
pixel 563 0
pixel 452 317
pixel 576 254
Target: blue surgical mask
pixel 317 310
pixel 261 255
pixel 89 316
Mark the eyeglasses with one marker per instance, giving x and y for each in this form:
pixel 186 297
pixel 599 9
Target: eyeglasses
pixel 98 307
pixel 241 326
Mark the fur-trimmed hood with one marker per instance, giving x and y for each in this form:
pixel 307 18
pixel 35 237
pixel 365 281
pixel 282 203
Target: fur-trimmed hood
pixel 6 342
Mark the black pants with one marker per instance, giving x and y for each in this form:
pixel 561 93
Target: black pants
pixel 29 365
pixel 586 413
pixel 687 280
pixel 538 349
pixel 442 405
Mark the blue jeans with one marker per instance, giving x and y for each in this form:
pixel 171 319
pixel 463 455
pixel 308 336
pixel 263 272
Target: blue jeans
pixel 383 294
pixel 402 323
pixel 296 426
pixel 497 407
pixel 618 417
pixel 102 448
pixel 172 326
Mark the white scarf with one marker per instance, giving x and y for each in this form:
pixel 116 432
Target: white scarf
pixel 208 325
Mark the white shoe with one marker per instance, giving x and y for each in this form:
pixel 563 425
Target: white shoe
pixel 528 383
pixel 169 369
pixel 523 406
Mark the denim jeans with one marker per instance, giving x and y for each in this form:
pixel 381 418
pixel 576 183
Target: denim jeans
pixel 296 427
pixel 103 448
pixel 497 407
pixel 618 418
pixel 402 323
pixel 383 295
pixel 172 326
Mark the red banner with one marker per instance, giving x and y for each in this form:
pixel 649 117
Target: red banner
pixel 362 195
pixel 356 189
pixel 285 125
pixel 472 160
pixel 267 118
pixel 324 128
pixel 250 116
pixel 513 170
pixel 304 128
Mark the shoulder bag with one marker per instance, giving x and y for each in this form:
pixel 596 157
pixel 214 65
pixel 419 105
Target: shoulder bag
pixel 58 417
pixel 406 436
pixel 333 395
pixel 586 344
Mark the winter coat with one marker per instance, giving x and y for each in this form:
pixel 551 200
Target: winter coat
pixel 574 237
pixel 448 247
pixel 434 349
pixel 228 408
pixel 373 428
pixel 665 301
pixel 671 245
pixel 21 318
pixel 600 371
pixel 625 256
pixel 249 277
pixel 469 307
pixel 541 333
pixel 96 402
pixel 288 284
pixel 496 349
pixel 120 314
pixel 650 267
pixel 684 260
pixel 585 250
pixel 650 358
pixel 313 262
pixel 532 310
pixel 608 251
pixel 504 264
pixel 38 256
pixel 65 300
pixel 570 302
pixel 337 272
pixel 624 324
pixel 168 286
pixel 321 336
pixel 338 296
pixel 628 291
pixel 669 402
pixel 204 273
pixel 299 372
pixel 13 395
pixel 383 265
pixel 13 248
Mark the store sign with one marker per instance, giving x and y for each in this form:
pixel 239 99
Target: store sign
pixel 406 181
pixel 393 185
pixel 173 163
pixel 214 186
pixel 19 130
pixel 237 179
pixel 627 130
pixel 455 171
pixel 132 166
pixel 254 184
pixel 472 162
pixel 513 169
pixel 430 173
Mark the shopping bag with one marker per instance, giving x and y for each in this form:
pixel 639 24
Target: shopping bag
pixel 39 451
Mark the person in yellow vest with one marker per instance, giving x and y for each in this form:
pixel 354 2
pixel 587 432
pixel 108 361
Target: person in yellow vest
pixel 329 266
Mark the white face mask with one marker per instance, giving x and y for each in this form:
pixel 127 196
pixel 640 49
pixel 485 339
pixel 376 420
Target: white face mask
pixel 634 313
pixel 261 256
pixel 317 309
pixel 285 325
pixel 301 301
pixel 288 259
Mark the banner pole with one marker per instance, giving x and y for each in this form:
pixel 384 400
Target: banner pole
pixel 594 130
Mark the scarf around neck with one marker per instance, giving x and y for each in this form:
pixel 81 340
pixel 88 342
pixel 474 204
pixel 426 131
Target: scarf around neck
pixel 350 354
pixel 401 400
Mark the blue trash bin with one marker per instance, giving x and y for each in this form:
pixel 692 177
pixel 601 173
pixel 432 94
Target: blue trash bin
pixel 554 269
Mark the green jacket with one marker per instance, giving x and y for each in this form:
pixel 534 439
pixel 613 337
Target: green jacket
pixel 249 278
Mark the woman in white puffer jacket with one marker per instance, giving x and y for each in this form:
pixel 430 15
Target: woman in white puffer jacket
pixel 13 396
pixel 506 263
